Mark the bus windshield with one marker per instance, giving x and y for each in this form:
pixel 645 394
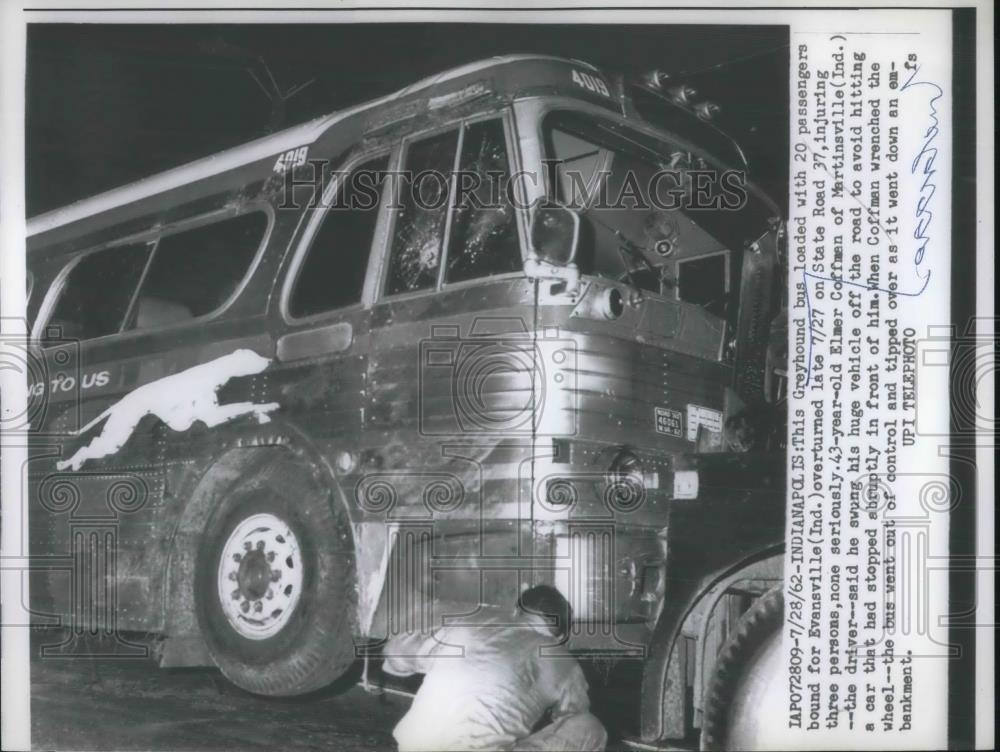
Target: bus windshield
pixel 654 215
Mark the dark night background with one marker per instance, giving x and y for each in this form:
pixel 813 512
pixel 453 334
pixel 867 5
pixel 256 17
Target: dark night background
pixel 108 104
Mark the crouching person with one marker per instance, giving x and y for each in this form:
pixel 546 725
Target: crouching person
pixel 487 685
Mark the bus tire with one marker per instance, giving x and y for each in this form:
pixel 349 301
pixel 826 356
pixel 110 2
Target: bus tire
pixel 274 585
pixel 746 679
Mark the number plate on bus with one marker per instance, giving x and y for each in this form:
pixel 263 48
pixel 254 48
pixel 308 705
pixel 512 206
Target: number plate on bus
pixel 670 422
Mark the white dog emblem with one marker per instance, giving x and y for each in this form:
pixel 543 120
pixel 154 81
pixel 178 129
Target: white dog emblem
pixel 178 400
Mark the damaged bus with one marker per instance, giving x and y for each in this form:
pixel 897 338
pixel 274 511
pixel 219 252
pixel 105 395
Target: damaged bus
pixel 285 407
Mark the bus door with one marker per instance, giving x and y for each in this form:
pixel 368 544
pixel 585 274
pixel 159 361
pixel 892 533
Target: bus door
pixel 448 414
pixel 322 327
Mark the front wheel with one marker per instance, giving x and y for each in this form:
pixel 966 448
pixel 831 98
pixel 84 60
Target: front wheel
pixel 274 590
pixel 745 701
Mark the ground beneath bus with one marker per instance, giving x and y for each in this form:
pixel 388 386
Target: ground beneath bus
pixel 131 704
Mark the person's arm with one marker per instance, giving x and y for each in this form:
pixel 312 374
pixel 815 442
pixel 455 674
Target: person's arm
pixel 406 654
pixel 573 697
pixel 410 652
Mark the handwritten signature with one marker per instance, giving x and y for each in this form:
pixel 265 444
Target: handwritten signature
pixel 923 163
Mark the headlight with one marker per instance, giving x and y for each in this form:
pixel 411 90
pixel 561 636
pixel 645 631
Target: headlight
pixel 626 486
pixel 626 463
pixel 611 303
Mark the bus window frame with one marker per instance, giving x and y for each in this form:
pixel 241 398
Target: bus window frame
pixel 531 114
pixel 314 218
pixel 725 252
pixel 152 237
pixel 512 143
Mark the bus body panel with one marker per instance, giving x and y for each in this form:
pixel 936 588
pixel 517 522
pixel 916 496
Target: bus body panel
pixel 462 484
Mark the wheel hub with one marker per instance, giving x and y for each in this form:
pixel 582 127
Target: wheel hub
pixel 253 576
pixel 260 576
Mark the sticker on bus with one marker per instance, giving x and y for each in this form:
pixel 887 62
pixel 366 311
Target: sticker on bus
pixel 698 415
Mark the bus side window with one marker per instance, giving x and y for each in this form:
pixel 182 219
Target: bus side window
pixel 420 223
pixel 97 291
pixel 483 239
pixel 332 275
pixel 577 165
pixel 194 272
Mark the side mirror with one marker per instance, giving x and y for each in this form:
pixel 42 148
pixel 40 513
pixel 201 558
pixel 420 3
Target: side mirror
pixel 554 233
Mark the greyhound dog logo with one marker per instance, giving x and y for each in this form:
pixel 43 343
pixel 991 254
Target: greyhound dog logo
pixel 178 400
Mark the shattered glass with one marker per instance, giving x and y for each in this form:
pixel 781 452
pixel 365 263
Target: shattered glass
pixel 483 238
pixel 419 230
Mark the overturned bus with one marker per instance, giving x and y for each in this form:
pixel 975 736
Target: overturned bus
pixel 298 396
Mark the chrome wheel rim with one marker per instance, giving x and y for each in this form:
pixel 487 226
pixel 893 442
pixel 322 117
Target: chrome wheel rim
pixel 260 576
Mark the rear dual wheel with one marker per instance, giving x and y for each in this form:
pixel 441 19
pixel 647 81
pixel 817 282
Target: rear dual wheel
pixel 745 706
pixel 274 584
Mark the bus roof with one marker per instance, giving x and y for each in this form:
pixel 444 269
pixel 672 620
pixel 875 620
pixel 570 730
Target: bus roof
pixel 238 156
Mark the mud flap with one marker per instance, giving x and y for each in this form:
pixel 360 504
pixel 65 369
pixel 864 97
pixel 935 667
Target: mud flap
pixel 373 548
